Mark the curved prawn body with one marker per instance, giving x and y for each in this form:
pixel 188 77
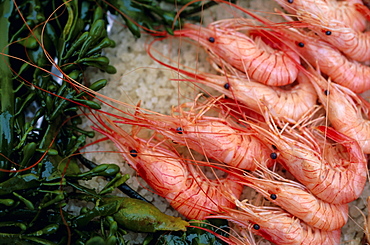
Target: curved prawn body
pixel 213 137
pixel 354 44
pixel 344 111
pixel 336 182
pixel 190 193
pixel 278 226
pixel 350 74
pixel 298 201
pixel 343 11
pixel 264 65
pixel 287 104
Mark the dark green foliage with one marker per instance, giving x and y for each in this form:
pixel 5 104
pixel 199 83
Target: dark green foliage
pixel 45 47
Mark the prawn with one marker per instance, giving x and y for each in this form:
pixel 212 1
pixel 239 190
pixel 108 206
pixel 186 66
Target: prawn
pixel 345 111
pixel 297 200
pixel 341 70
pixel 190 193
pixel 289 104
pixel 259 62
pixel 346 12
pixel 337 182
pixel 213 137
pixel 354 44
pixel 277 226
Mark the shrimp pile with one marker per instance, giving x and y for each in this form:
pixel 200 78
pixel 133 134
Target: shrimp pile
pixel 289 102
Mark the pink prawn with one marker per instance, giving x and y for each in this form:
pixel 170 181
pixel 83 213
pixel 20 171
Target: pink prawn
pixel 346 111
pixel 331 62
pixel 187 190
pixel 338 182
pixel 264 65
pixel 297 200
pixel 354 44
pixel 213 137
pixel 278 226
pixel 346 12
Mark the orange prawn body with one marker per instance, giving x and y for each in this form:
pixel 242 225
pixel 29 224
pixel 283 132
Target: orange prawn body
pixel 337 185
pixel 344 111
pixel 273 68
pixel 278 226
pixel 213 137
pixel 190 193
pixel 354 44
pixel 343 11
pixel 295 199
pixel 287 104
pixel 331 62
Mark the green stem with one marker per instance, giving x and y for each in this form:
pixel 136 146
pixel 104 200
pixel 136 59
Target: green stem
pixel 6 88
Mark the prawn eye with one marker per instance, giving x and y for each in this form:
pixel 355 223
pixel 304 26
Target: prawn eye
pixel 179 130
pixel 274 147
pixel 326 92
pixel 211 39
pixel 273 155
pixel 328 33
pixel 290 1
pixel 273 196
pixel 133 153
pixel 256 227
pixel 227 86
pixel 300 44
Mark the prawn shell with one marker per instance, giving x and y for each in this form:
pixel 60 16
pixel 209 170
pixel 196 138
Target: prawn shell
pixel 273 68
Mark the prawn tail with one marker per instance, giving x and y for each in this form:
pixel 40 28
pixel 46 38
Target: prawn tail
pixel 291 41
pixel 275 39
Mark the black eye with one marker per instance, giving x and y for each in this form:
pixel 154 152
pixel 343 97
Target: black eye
pixel 211 39
pixel 273 155
pixel 179 130
pixel 256 227
pixel 273 196
pixel 326 92
pixel 300 44
pixel 227 85
pixel 290 1
pixel 328 33
pixel 274 147
pixel 133 153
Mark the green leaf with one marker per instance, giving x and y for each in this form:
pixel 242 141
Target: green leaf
pixel 141 216
pixel 6 87
pixel 20 182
